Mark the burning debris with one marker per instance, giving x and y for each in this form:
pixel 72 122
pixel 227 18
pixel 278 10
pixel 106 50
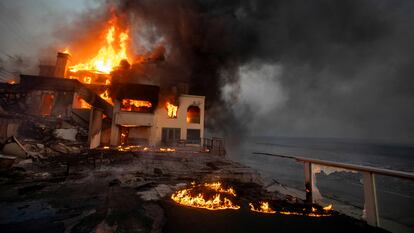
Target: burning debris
pixel 214 196
pixel 263 208
pixel 211 196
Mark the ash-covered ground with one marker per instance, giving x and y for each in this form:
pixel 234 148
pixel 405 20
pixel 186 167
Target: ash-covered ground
pixel 129 191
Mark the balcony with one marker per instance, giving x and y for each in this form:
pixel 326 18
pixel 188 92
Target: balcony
pixel 134 119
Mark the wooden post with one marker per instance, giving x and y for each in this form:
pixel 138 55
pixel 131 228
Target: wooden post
pixel 308 182
pixel 95 127
pixel 370 199
pixel 114 140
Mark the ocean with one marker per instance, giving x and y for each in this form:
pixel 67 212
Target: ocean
pixel 344 189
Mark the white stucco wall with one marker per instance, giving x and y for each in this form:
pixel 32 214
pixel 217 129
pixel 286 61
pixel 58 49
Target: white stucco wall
pixel 161 119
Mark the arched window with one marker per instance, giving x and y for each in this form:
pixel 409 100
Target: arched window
pixel 193 114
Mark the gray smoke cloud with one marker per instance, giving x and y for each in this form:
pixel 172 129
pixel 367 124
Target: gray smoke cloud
pixel 317 68
pixel 29 27
pixel 340 69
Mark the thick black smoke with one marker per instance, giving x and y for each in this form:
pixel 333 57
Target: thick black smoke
pixel 336 68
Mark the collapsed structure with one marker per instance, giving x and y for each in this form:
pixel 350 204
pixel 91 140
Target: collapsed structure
pixel 118 108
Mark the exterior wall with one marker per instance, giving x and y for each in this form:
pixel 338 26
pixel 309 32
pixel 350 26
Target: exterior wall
pixel 158 120
pixel 161 119
pixel 134 119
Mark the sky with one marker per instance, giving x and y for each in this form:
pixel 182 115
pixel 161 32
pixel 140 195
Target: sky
pixel 28 25
pixel 294 68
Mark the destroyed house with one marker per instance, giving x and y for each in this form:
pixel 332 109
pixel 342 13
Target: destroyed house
pixel 115 113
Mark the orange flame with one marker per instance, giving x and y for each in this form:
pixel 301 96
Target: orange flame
pixel 87 80
pixel 328 207
pixel 130 104
pixel 167 149
pixel 110 54
pixel 106 97
pixel 264 208
pixel 184 197
pixel 216 202
pixel 84 104
pixel 171 110
pixel 218 188
pixel 325 213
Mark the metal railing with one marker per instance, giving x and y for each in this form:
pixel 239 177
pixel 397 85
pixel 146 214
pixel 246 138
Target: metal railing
pixel 214 145
pixel 368 176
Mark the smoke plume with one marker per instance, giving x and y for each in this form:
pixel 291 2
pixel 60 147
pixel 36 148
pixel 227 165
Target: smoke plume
pixel 282 67
pixel 293 68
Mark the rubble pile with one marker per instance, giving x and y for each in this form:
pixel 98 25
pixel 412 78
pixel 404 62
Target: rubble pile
pixel 38 138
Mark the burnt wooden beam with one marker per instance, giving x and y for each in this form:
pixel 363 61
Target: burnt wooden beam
pixel 31 82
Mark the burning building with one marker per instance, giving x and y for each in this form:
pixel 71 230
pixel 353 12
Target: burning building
pixel 117 112
pixel 122 101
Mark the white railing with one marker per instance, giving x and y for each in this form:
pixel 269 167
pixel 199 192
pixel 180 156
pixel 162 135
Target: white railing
pixel 368 176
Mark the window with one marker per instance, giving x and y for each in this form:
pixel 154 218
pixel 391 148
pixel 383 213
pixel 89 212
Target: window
pixel 193 114
pixel 170 136
pixel 193 136
pixel 48 100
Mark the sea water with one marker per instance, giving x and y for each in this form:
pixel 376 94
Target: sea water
pixel 395 196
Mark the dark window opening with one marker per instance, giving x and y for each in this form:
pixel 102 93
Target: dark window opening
pixel 131 105
pixel 134 135
pixel 170 136
pixel 193 136
pixel 193 114
pixel 48 101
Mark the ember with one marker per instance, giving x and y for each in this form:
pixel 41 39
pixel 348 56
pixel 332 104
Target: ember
pixel 130 148
pixel 325 212
pixel 167 149
pixel 328 208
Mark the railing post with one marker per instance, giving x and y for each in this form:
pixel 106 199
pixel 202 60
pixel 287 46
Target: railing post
pixel 370 199
pixel 308 182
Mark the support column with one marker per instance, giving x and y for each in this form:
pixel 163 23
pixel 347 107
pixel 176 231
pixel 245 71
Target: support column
pixel 370 199
pixel 308 182
pixel 114 141
pixel 95 127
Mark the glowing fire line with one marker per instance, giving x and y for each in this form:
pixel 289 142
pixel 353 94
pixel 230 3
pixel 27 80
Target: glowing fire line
pixel 216 202
pixel 189 197
pixel 264 208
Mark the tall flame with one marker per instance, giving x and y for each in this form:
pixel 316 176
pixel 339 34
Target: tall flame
pixel 264 208
pixel 171 110
pixel 109 55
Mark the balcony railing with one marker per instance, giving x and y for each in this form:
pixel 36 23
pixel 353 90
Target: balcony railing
pixel 370 192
